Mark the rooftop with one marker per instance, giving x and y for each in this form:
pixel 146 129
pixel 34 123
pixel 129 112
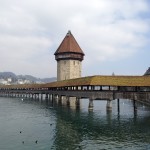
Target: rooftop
pixel 91 80
pixel 104 81
pixel 147 72
pixel 69 45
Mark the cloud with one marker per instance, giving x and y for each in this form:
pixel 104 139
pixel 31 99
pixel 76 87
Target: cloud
pixel 31 31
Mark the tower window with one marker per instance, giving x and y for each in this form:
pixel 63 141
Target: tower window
pixel 64 62
pixel 74 62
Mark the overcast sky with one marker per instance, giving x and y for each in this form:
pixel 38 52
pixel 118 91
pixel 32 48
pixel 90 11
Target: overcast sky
pixel 114 35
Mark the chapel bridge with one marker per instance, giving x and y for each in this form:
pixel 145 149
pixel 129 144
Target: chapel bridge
pixel 108 88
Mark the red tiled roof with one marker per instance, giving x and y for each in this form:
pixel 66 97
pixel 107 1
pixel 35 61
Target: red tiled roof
pixel 69 45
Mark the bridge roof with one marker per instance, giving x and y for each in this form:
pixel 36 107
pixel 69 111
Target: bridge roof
pixel 91 80
pixel 104 80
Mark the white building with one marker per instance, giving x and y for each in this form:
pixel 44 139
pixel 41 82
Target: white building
pixel 2 81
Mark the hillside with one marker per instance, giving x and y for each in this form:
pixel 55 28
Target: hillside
pixel 14 77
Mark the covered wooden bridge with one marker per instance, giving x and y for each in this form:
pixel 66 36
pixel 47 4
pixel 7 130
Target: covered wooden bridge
pixel 93 87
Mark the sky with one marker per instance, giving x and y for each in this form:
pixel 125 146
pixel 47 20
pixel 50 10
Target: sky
pixel 114 35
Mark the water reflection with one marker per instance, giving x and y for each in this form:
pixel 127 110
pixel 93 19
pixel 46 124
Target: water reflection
pixel 76 129
pixel 64 127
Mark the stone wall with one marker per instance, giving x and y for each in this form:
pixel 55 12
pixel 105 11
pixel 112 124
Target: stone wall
pixel 68 69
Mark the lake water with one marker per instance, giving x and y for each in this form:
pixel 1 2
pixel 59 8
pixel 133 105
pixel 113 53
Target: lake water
pixel 41 125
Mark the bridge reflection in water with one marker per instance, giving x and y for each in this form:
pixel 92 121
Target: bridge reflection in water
pixel 79 129
pixel 63 127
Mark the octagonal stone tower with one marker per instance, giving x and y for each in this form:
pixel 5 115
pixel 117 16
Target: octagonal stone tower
pixel 69 56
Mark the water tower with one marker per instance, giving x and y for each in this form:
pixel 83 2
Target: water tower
pixel 69 56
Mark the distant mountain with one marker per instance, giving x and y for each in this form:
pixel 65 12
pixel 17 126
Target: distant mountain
pixel 47 80
pixel 7 75
pixel 28 77
pixel 34 79
pixel 14 77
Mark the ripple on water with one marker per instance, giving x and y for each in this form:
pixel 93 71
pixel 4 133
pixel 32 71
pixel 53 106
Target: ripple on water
pixel 60 127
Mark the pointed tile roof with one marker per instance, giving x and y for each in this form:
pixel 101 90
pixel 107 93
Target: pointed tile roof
pixel 69 45
pixel 147 72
